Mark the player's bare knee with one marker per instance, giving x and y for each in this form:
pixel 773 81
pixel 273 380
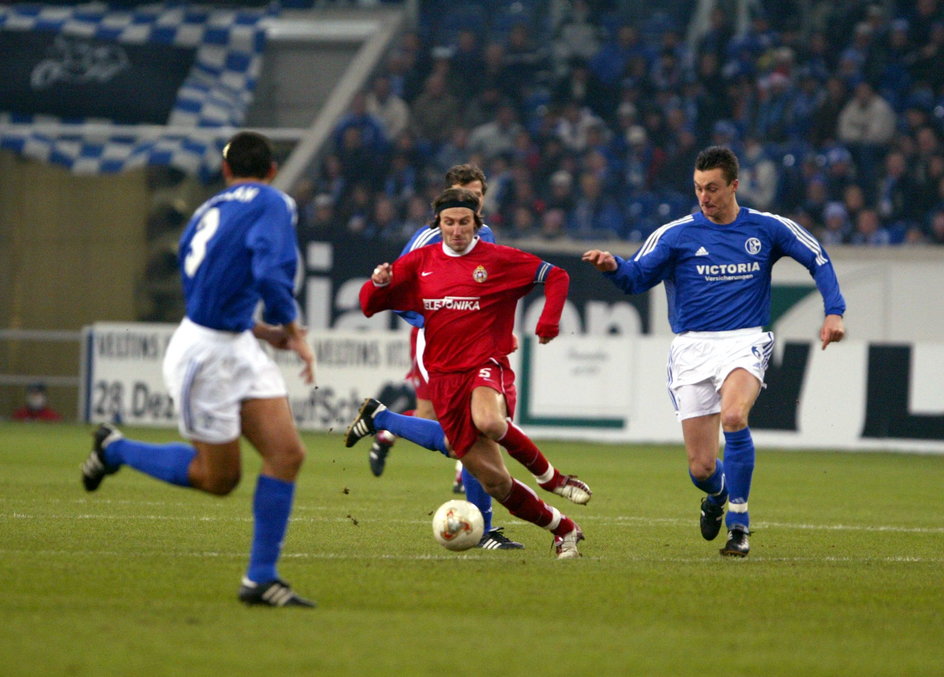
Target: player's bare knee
pixel 220 485
pixel 493 427
pixel 701 470
pixel 295 457
pixel 287 461
pixel 734 420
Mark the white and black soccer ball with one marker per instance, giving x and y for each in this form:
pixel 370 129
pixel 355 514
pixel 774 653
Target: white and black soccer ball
pixel 458 525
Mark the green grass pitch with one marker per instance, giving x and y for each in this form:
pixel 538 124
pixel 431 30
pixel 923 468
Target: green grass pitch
pixel 845 577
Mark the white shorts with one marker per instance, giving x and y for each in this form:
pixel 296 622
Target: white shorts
pixel 700 361
pixel 209 373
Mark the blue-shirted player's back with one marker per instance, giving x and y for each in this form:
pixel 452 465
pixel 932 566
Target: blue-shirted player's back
pixel 240 247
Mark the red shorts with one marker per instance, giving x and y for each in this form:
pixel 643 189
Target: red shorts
pixel 451 395
pixel 415 376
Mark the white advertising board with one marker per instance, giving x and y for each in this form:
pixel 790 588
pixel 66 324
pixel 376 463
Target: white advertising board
pixel 122 378
pixel 853 396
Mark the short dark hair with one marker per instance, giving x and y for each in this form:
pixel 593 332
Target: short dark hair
pixel 718 157
pixel 249 155
pixel 456 197
pixel 461 175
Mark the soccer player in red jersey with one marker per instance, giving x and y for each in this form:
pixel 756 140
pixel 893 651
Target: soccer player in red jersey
pixel 467 291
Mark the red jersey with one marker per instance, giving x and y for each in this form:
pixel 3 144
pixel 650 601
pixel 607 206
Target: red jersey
pixel 468 301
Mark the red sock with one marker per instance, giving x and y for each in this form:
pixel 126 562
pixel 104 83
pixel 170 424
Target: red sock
pixel 523 450
pixel 409 412
pixel 524 503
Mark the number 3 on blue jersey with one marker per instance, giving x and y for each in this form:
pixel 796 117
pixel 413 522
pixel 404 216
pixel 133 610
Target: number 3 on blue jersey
pixel 197 250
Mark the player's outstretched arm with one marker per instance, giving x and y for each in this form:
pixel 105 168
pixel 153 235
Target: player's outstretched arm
pixel 291 336
pixel 603 261
pixel 556 286
pixel 832 331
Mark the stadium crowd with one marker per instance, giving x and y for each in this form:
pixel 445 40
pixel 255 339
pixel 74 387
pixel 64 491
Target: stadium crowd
pixel 587 121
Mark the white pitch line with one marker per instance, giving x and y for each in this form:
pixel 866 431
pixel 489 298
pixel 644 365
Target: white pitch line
pixel 469 556
pixel 604 520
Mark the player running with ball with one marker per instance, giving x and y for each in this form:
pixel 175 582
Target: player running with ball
pixel 467 291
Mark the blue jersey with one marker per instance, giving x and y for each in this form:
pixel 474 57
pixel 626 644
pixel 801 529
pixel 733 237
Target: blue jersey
pixel 717 277
pixel 421 238
pixel 240 247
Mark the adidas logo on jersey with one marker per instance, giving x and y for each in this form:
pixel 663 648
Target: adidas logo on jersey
pixel 701 252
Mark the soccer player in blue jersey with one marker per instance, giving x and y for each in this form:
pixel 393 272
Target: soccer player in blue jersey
pixel 238 249
pixel 471 178
pixel 716 267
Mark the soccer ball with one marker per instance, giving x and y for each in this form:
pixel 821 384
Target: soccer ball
pixel 458 525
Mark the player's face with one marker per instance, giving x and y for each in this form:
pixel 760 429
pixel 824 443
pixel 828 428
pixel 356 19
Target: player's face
pixel 474 187
pixel 457 225
pixel 716 196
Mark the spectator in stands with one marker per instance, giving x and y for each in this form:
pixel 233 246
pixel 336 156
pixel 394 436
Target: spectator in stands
pixel 522 223
pixel 552 157
pixel 595 216
pixel 401 181
pixel 36 406
pixel 866 126
pixel 816 197
pixel 553 224
pixel 775 97
pixel 455 151
pixel 610 62
pixel 526 152
pixel 356 210
pixel 561 192
pixel 373 136
pixel 484 107
pixel 895 189
pixel 467 62
pixel 576 37
pixel 495 73
pixel 358 161
pixel 757 176
pixel 717 37
pixel 385 221
pixel 869 231
pixel 527 61
pixel 666 72
pixel 578 85
pixel 936 227
pixel 415 150
pixel 417 213
pixel 331 180
pixel 922 18
pixel 853 199
pixel 323 222
pixel 837 228
pixel 642 161
pixel 825 119
pixel 680 156
pixel 840 172
pixel 926 168
pixel 924 63
pixel 391 110
pixel 806 97
pixel 711 102
pixel 914 236
pixel 572 127
pixel 435 112
pixel 411 67
pixel 498 136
